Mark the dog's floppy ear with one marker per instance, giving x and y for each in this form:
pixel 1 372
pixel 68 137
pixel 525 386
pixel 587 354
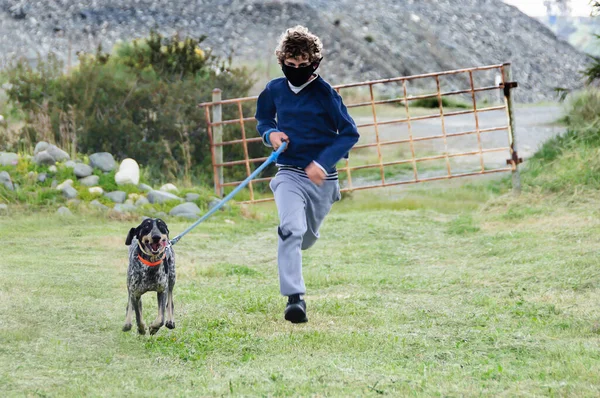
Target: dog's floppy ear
pixel 132 233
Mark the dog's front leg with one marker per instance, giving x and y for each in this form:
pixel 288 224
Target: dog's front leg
pixel 128 314
pixel 160 319
pixel 137 307
pixel 170 315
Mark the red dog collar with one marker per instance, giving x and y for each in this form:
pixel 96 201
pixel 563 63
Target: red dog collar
pixel 148 263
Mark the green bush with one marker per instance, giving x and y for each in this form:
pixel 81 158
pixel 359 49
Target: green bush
pixel 572 160
pixel 140 101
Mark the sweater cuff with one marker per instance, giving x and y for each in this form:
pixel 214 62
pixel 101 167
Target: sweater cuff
pixel 321 167
pixel 266 139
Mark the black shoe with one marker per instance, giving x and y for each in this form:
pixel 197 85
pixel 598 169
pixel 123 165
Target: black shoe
pixel 295 311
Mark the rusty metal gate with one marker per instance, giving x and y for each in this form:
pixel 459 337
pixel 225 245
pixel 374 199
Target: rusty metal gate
pixel 394 149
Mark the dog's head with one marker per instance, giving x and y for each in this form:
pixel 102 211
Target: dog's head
pixel 152 234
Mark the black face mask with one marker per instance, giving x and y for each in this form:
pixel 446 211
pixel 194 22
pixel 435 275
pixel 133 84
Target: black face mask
pixel 299 76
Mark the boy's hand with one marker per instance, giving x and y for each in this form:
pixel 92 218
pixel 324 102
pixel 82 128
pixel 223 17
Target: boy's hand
pixel 315 173
pixel 277 138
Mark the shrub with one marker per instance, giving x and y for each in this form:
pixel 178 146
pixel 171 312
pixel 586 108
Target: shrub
pixel 140 101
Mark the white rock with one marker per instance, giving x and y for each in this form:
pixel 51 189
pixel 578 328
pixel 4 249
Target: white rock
pixel 129 172
pixel 64 184
pixel 96 190
pixel 169 188
pixel 52 169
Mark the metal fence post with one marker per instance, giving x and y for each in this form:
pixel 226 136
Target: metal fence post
pixel 508 101
pixel 217 140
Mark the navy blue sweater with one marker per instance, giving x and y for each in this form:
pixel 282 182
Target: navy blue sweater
pixel 315 120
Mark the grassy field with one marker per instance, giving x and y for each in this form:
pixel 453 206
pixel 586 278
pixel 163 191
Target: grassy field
pixel 436 290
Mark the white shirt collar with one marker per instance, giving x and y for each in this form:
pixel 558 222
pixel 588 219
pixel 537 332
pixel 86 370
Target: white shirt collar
pixel 296 90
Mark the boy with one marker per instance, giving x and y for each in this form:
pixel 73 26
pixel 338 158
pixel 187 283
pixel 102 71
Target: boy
pixel 303 110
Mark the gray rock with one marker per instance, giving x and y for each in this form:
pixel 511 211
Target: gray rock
pixel 42 177
pixel 103 161
pixel 3 208
pixel 214 202
pixel 188 216
pixel 82 170
pixel 63 211
pixel 145 188
pixel 58 154
pixel 40 146
pixel 95 203
pixel 69 192
pixel 90 181
pixel 124 208
pixel 191 197
pixel 116 196
pixel 162 197
pixel 70 164
pixel 6 181
pixel 185 208
pixel 8 159
pixel 44 158
pixel 142 201
pixel 54 184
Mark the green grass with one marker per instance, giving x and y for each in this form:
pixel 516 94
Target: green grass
pixel 431 291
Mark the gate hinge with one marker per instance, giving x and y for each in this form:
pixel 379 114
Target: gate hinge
pixel 508 86
pixel 515 159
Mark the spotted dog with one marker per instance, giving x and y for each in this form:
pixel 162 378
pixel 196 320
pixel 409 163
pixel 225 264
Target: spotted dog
pixel 151 268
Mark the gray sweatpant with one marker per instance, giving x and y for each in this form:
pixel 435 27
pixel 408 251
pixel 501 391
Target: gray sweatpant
pixel 302 207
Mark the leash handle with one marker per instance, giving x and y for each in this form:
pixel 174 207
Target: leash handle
pixel 227 198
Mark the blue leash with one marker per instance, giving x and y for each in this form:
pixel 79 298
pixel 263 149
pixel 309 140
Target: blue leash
pixel 227 198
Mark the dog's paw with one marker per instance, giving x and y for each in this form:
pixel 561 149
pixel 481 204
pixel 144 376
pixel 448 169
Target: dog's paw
pixel 153 330
pixel 127 327
pixel 170 324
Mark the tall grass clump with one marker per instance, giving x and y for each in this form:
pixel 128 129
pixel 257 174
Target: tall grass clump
pixel 571 161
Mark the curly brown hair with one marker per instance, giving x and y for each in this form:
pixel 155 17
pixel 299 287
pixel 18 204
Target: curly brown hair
pixel 298 42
